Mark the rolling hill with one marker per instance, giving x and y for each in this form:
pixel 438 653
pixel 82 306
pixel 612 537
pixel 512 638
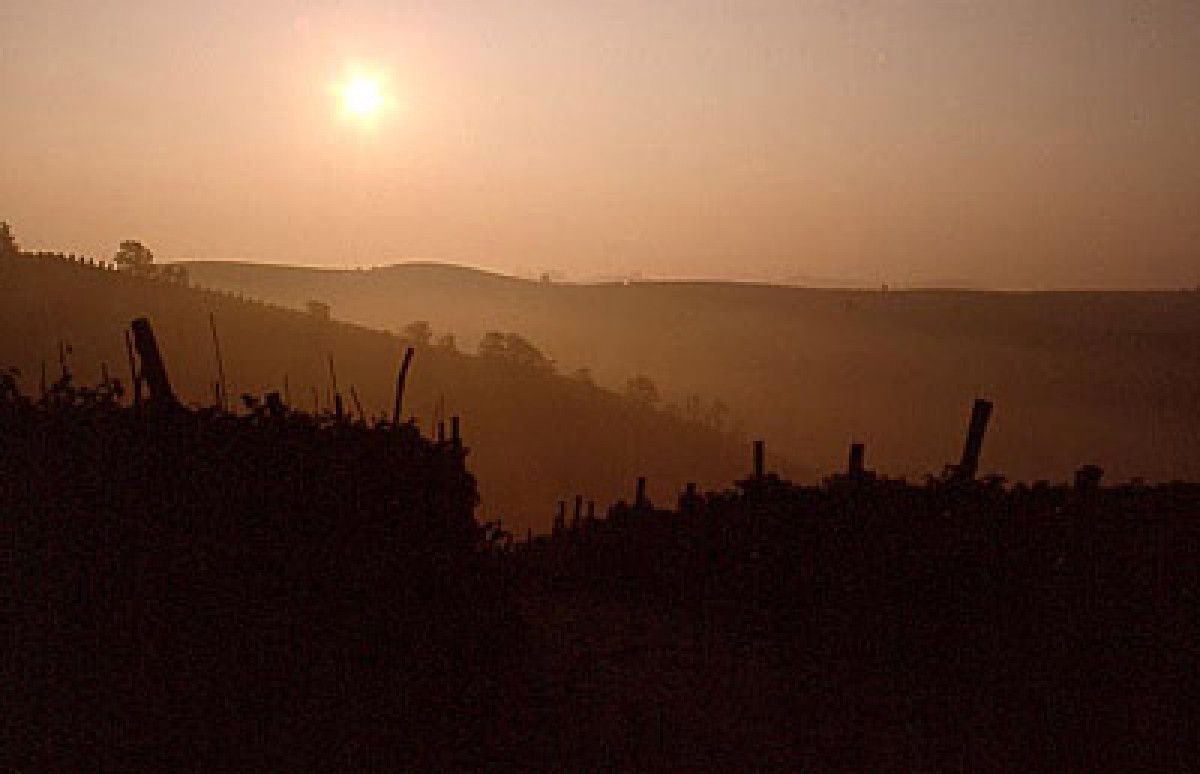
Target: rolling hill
pixel 1111 378
pixel 534 437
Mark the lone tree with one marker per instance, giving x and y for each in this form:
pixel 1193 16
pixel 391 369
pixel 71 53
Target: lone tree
pixel 641 389
pixel 515 349
pixel 134 257
pixel 8 243
pixel 419 332
pixel 318 309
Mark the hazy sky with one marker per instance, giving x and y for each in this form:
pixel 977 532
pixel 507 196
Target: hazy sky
pixel 1005 143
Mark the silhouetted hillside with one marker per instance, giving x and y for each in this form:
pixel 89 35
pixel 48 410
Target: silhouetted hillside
pixel 204 591
pixel 873 625
pixel 1110 377
pixel 534 437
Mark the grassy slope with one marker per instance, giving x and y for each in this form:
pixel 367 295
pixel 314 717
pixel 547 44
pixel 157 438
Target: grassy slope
pixel 534 439
pixel 1111 378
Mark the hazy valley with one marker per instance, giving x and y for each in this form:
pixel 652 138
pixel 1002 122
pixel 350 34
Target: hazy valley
pixel 1110 378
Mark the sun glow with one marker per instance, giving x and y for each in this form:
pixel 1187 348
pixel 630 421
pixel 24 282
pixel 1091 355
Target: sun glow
pixel 362 96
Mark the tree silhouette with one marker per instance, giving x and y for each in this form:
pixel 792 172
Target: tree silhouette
pixel 8 243
pixel 318 309
pixel 641 389
pixel 418 332
pixel 134 257
pixel 447 342
pixel 516 349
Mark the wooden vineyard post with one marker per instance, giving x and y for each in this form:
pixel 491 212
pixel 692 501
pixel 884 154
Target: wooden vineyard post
pixel 560 521
pixel 758 460
pixel 401 378
pixel 981 412
pixel 856 468
pixel 640 500
pixel 134 377
pixel 336 397
pixel 688 501
pixel 153 369
pixel 222 396
pixel 357 404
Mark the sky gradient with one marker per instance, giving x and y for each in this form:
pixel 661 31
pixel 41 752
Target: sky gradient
pixel 990 144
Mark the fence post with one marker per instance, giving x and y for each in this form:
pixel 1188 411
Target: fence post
pixel 857 468
pixel 400 380
pixel 153 369
pixel 981 412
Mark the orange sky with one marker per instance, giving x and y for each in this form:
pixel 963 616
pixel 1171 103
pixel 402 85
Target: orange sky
pixel 1007 144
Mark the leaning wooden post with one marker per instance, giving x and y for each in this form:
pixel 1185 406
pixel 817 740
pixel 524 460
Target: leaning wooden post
pixel 856 468
pixel 337 398
pixel 357 404
pixel 981 412
pixel 134 377
pixel 153 369
pixel 640 500
pixel 758 459
pixel 222 395
pixel 400 380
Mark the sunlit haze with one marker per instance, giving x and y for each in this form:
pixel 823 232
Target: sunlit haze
pixel 990 144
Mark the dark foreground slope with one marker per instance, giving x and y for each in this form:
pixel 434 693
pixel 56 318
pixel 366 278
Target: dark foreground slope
pixel 872 626
pixel 197 591
pixel 534 438
pixel 1113 378
pixel 276 592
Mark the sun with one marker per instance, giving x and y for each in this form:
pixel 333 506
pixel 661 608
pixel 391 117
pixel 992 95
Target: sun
pixel 362 96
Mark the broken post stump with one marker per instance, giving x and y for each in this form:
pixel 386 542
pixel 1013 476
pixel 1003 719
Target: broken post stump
pixel 857 467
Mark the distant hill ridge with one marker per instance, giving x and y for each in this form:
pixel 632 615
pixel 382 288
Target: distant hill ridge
pixel 535 437
pixel 1107 377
